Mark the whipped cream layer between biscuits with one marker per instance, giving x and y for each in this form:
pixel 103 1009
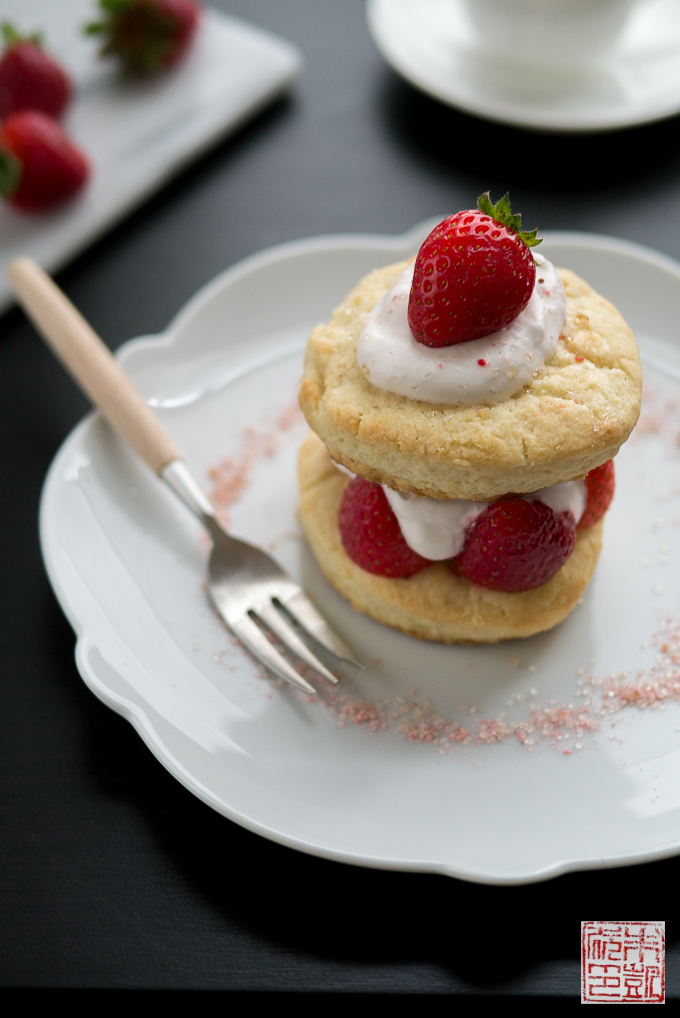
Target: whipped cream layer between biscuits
pixel 435 604
pixel 575 413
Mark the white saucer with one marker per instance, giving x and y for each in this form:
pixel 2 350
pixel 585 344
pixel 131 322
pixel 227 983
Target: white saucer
pixel 432 45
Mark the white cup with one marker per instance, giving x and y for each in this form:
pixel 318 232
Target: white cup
pixel 549 33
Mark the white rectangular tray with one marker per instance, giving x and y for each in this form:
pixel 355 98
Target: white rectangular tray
pixel 138 134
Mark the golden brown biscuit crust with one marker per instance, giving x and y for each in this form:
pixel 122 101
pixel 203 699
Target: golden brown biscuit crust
pixel 434 604
pixel 574 416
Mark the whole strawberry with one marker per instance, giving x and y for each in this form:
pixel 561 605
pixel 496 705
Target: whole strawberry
pixel 39 164
pixel 370 532
pixel 473 275
pixel 147 36
pixel 516 545
pixel 30 79
pixel 600 489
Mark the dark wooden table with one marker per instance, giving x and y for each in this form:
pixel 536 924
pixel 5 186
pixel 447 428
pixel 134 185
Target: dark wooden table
pixel 112 875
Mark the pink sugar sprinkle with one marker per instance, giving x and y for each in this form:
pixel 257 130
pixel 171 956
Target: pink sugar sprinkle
pixel 647 689
pixel 650 423
pixel 658 416
pixel 493 731
pixel 417 722
pixel 428 726
pixel 230 479
pixel 231 476
pixel 557 724
pixel 289 416
pixel 358 712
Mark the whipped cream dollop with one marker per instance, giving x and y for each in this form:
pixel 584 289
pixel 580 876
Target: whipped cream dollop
pixel 436 528
pixel 480 371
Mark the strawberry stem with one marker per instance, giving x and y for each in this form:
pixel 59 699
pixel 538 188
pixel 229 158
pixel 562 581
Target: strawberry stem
pixel 110 8
pixel 141 36
pixel 116 6
pixel 10 174
pixel 11 37
pixel 502 213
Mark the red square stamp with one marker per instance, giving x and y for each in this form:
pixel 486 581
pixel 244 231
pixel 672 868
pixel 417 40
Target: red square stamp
pixel 623 963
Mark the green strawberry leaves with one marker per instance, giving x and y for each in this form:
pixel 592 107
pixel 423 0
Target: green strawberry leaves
pixel 145 36
pixel 11 172
pixel 11 37
pixel 502 213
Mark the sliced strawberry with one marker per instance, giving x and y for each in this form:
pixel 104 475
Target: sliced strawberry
pixel 516 545
pixel 39 164
pixel 600 488
pixel 371 535
pixel 473 275
pixel 146 35
pixel 30 79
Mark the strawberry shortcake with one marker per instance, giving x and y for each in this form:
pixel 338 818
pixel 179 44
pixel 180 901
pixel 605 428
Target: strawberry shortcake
pixel 467 406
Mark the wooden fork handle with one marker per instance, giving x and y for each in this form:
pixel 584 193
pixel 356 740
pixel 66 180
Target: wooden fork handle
pixel 90 363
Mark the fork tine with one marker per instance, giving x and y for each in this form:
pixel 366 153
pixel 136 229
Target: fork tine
pixel 313 624
pixel 252 637
pixel 289 638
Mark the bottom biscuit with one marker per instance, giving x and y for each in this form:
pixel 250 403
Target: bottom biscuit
pixel 435 604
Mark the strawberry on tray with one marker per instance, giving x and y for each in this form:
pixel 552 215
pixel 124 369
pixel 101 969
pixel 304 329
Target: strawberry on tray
pixel 40 166
pixel 146 36
pixel 30 78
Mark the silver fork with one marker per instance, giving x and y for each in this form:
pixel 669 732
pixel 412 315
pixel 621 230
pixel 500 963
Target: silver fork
pixel 262 606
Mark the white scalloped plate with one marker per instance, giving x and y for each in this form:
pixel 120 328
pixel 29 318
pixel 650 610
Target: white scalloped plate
pixel 127 565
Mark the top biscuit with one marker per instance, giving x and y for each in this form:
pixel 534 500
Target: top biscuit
pixel 573 416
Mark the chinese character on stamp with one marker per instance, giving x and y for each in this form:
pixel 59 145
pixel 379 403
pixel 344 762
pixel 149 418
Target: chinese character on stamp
pixel 623 962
